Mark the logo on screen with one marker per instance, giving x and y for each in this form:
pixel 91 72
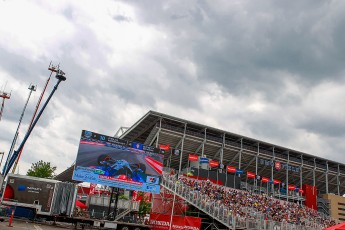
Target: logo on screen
pixel 102 138
pixel 137 146
pixel 21 187
pixel 152 180
pixel 88 134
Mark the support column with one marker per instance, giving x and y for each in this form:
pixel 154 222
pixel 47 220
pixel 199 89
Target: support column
pixel 338 182
pixel 159 130
pixel 203 144
pixel 287 176
pixel 240 157
pixel 272 173
pixel 182 144
pixel 301 173
pixel 326 177
pixel 256 165
pixel 314 183
pixel 222 152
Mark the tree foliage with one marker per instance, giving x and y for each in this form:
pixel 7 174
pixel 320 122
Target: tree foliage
pixel 145 205
pixel 41 169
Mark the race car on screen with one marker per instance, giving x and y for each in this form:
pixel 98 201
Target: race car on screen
pixel 121 168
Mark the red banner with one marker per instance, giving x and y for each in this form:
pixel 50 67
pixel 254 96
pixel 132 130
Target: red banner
pixel 250 175
pixel 265 179
pixel 213 163
pixel 291 187
pixel 193 157
pixel 310 193
pixel 230 169
pixel 164 147
pixel 162 222
pixel 277 182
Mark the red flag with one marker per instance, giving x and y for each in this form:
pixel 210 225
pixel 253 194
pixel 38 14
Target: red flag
pixel 192 157
pixel 213 163
pixel 165 147
pixel 230 169
pixel 250 175
pixel 277 181
pixel 265 179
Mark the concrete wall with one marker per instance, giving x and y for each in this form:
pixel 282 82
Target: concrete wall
pixel 337 206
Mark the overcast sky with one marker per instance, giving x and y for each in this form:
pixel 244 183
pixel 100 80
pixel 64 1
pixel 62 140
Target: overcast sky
pixel 269 70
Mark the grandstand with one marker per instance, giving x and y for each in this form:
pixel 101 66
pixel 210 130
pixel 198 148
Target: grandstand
pixel 297 173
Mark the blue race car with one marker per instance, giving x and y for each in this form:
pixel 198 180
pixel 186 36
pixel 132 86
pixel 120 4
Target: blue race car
pixel 122 168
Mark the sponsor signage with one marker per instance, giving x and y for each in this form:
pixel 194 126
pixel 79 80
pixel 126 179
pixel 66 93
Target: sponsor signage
pixel 114 162
pixel 162 222
pixel 24 191
pixel 279 166
pixel 213 163
pixel 203 160
pixel 192 157
pixel 230 169
pixel 277 182
pixel 265 179
pixel 239 171
pixel 250 175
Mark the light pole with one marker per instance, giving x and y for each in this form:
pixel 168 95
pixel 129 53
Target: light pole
pixel 60 76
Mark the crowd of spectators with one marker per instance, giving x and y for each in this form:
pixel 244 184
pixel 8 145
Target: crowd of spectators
pixel 272 209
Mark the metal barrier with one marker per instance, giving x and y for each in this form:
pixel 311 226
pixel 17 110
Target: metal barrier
pixel 252 219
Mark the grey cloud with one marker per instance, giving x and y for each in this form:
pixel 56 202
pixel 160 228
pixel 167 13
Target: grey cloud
pixel 121 18
pixel 323 126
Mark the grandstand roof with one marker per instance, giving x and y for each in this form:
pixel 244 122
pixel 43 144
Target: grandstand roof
pixel 156 128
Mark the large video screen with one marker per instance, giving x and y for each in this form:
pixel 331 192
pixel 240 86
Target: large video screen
pixel 114 162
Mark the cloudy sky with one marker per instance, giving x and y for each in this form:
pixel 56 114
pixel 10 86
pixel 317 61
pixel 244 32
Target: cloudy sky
pixel 270 70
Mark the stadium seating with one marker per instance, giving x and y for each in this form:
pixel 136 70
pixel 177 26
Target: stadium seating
pixel 246 205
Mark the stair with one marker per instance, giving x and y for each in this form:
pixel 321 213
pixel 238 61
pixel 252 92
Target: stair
pixel 214 210
pixel 151 136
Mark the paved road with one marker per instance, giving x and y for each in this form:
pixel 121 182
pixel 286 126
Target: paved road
pixel 22 225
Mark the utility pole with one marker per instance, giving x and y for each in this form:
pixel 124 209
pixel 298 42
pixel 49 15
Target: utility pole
pixel 14 141
pixel 4 96
pixel 52 69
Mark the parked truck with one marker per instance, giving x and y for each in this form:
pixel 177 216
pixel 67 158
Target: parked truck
pixel 53 200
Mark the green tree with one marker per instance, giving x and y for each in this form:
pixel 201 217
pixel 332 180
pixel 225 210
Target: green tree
pixel 145 205
pixel 41 169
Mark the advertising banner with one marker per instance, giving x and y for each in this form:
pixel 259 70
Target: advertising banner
pixel 162 222
pixel 193 157
pixel 203 160
pixel 30 192
pixel 213 163
pixel 114 162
